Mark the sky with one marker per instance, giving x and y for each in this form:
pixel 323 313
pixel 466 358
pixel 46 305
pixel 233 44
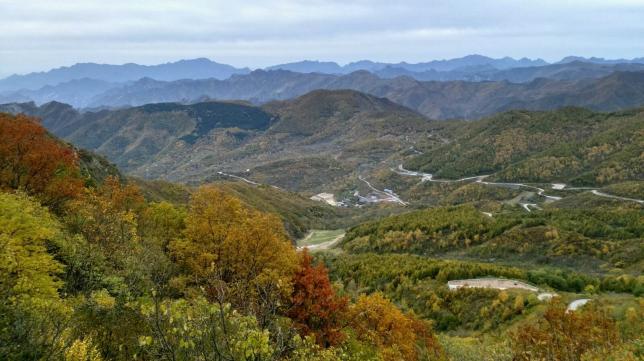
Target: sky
pixel 37 35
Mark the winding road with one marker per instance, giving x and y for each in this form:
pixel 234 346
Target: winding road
pixel 527 206
pixel 245 180
pixel 428 177
pixel 602 194
pixel 238 177
pixel 390 197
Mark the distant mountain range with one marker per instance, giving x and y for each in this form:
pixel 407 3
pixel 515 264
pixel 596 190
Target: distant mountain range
pixel 470 61
pixel 470 87
pixel 184 69
pixel 602 89
pixel 471 67
pixel 570 59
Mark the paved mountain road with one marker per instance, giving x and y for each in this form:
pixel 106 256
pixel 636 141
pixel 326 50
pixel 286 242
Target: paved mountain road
pixel 428 177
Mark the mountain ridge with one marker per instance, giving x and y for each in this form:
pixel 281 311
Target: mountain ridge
pixel 437 100
pixel 465 68
pixel 193 68
pixel 327 134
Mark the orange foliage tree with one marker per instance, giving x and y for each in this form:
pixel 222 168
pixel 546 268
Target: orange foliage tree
pixel 107 215
pixel 33 161
pixel 315 307
pixel 564 335
pixel 397 336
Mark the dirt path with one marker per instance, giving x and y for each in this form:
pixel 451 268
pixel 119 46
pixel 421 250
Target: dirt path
pixel 491 282
pixel 238 177
pixel 245 180
pixel 323 245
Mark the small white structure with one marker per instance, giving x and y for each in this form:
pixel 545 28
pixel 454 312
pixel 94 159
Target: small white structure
pixel 325 197
pixel 558 186
pixel 574 305
pixel 546 296
pixel 497 283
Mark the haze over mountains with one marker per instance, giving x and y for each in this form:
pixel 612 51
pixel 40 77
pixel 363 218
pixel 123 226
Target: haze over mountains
pixel 328 123
pixel 183 69
pixel 434 99
pixel 436 88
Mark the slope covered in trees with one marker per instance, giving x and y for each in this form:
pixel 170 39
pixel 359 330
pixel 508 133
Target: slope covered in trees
pixel 597 239
pixel 97 267
pixel 323 136
pixel 103 274
pixel 568 145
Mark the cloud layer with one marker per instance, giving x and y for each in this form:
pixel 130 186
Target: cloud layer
pixel 40 34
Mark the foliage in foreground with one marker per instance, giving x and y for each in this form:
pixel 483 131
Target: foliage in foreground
pixel 101 274
pixel 128 296
pixel 589 334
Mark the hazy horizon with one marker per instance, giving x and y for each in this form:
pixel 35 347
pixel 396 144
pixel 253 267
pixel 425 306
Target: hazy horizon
pixel 41 35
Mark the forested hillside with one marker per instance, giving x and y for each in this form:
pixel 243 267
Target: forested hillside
pixel 323 136
pixel 597 240
pixel 568 145
pixel 409 180
pixel 99 266
pixel 94 272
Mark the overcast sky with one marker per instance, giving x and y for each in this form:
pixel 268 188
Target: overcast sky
pixel 40 34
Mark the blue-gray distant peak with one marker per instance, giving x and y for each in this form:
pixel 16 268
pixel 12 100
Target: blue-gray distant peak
pixel 469 61
pixel 571 59
pixel 310 66
pixel 200 68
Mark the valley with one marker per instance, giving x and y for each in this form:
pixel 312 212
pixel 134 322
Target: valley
pixel 310 219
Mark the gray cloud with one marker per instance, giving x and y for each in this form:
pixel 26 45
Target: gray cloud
pixel 39 34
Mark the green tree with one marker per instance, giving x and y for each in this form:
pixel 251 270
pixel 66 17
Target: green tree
pixel 199 330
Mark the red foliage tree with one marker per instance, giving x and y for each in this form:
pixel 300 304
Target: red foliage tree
pixel 33 161
pixel 316 309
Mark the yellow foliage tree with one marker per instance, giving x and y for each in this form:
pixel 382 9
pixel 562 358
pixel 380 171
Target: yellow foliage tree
pixel 83 350
pixel 234 253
